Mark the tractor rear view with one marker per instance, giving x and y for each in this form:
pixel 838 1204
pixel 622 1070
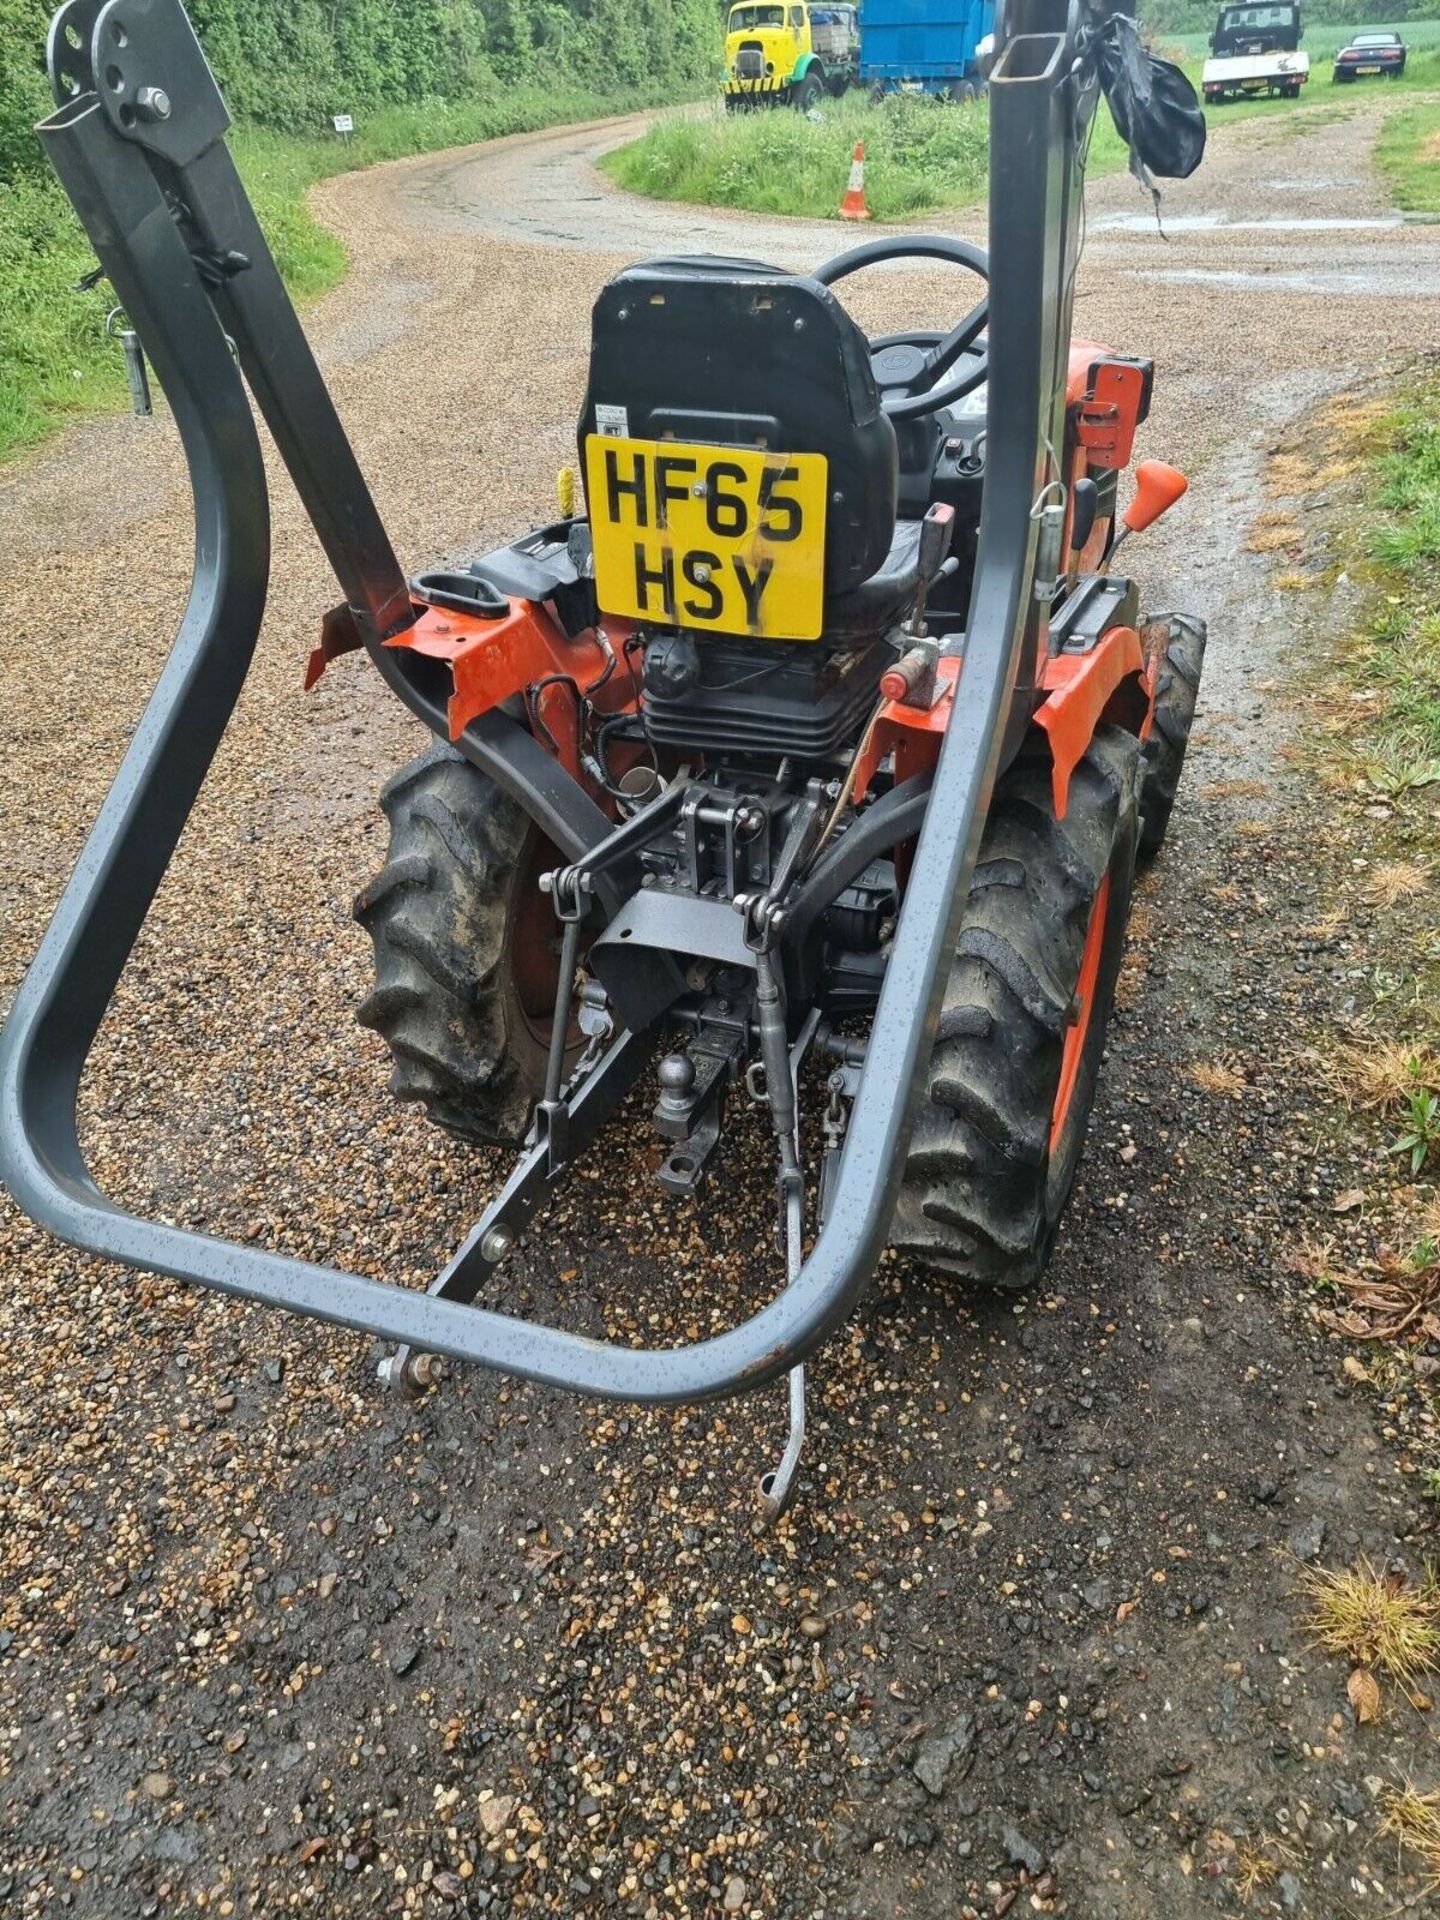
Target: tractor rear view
pixel 819 747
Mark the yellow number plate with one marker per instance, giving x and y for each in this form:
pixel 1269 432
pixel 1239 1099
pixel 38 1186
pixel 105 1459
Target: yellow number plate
pixel 727 539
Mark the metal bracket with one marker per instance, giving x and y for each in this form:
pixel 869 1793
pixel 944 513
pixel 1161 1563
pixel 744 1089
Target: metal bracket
pixel 691 1107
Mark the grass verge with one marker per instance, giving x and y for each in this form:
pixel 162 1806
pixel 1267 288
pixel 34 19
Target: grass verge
pixel 1371 742
pixel 57 361
pixel 919 155
pixel 1358 486
pixel 1408 154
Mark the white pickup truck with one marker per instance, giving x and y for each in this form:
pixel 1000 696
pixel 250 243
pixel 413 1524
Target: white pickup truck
pixel 1255 48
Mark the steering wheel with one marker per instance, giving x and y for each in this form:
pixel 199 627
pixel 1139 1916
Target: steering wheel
pixel 908 366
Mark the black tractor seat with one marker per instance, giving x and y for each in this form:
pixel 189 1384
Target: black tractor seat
pixel 714 350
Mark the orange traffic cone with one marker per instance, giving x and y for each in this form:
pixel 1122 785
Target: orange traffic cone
pixel 853 206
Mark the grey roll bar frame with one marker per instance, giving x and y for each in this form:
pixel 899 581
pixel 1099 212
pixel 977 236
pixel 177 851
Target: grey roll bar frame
pixel 164 208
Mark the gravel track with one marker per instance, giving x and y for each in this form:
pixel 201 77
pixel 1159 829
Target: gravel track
pixel 270 1641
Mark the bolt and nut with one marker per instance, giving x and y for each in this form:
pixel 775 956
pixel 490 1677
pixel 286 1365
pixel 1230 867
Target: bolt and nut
pixel 496 1243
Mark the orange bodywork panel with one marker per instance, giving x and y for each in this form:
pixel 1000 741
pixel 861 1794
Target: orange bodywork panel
pixel 915 733
pixel 491 660
pixel 1083 355
pixel 1078 689
pixel 1109 414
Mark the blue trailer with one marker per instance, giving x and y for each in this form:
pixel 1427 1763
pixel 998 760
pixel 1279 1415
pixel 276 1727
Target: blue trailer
pixel 924 46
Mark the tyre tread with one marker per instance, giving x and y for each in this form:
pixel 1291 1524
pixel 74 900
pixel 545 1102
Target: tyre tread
pixel 438 916
pixel 973 1205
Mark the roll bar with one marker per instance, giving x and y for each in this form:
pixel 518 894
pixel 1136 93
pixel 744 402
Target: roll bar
pixel 143 158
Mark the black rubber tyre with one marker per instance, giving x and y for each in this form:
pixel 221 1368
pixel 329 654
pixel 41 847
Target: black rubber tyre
pixel 810 92
pixel 1163 754
pixel 444 913
pixel 990 1168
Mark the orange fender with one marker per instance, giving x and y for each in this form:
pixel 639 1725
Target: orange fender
pixel 1079 689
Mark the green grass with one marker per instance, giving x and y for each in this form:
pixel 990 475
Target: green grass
pixel 1408 154
pixel 1392 662
pixel 1402 660
pixel 1322 41
pixel 52 346
pixel 57 361
pixel 920 154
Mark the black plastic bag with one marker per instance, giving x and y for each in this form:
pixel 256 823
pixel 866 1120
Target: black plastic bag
pixel 1155 108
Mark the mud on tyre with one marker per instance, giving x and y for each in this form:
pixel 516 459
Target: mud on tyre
pixel 1023 1021
pixel 465 964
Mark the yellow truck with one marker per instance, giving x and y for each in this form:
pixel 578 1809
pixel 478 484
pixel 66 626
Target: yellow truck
pixel 789 53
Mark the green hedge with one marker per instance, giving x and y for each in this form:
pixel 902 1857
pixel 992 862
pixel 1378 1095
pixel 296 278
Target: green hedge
pixel 416 74
pixel 290 64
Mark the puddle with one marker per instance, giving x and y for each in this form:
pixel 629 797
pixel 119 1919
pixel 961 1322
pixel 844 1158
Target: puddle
pixel 1222 223
pixel 1389 284
pixel 1318 183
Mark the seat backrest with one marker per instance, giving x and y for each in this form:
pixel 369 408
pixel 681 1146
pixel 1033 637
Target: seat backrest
pixel 735 353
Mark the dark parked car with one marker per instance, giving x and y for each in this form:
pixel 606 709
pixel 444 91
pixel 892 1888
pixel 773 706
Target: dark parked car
pixel 1371 53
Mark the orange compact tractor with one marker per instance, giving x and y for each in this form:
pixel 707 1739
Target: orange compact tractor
pixel 825 739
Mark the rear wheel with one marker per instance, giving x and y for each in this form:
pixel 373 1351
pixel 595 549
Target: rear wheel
pixel 465 949
pixel 1022 1027
pixel 1163 754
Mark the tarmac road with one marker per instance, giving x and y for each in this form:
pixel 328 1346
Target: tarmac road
pixel 269 1640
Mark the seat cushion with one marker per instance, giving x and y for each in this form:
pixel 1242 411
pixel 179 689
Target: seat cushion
pixel 879 601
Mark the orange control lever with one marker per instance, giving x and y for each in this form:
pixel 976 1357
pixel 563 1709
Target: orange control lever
pixel 1157 488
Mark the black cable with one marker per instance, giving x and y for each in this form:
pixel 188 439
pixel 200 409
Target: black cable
pixel 537 719
pixel 602 736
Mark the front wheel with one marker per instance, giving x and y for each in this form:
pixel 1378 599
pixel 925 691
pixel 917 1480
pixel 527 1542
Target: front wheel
pixel 1177 687
pixel 810 92
pixel 1022 1027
